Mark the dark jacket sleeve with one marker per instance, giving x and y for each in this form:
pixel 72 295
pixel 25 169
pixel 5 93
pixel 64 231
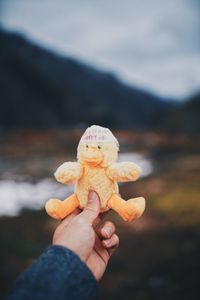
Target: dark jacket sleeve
pixel 57 274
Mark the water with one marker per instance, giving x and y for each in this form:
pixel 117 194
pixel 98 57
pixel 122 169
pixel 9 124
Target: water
pixel 16 195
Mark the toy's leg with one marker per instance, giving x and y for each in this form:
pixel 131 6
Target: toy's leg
pixel 58 209
pixel 128 210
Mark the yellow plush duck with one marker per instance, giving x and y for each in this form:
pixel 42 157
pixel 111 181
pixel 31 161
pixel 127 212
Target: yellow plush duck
pixel 97 170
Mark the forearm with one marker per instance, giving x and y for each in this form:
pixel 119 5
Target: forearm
pixel 57 274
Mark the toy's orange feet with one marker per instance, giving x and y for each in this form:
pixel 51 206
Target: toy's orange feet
pixel 58 209
pixel 128 210
pixel 133 209
pixel 54 208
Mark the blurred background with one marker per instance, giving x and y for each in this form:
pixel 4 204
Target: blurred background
pixel 132 66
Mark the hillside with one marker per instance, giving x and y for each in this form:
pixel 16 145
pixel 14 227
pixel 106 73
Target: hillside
pixel 184 118
pixel 40 89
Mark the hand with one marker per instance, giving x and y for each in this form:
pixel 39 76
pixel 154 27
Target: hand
pixel 79 233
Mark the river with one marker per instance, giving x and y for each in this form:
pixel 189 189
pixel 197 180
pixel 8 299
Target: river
pixel 18 194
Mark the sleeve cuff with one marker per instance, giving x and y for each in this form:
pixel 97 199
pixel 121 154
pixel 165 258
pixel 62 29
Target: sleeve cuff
pixel 57 274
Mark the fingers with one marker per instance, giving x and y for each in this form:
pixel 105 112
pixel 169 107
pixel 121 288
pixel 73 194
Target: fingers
pixel 111 244
pixel 106 230
pixel 91 211
pixel 110 239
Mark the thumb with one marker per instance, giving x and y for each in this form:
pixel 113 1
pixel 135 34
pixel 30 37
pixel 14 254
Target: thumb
pixel 91 211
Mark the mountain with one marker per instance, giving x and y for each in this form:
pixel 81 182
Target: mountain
pixel 184 118
pixel 40 89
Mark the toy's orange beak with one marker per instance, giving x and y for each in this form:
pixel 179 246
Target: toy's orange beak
pixel 92 155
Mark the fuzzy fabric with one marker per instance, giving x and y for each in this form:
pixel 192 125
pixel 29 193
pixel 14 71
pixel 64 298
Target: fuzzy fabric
pixel 97 170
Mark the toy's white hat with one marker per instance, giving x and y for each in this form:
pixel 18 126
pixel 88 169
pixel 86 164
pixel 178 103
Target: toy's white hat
pixel 97 133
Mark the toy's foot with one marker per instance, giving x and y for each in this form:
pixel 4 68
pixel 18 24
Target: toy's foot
pixel 133 209
pixel 128 210
pixel 58 209
pixel 54 208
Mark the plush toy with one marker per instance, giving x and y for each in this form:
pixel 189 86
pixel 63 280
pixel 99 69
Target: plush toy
pixel 97 170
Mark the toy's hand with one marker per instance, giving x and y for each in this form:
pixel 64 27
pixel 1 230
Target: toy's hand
pixel 68 172
pixel 124 171
pixel 93 245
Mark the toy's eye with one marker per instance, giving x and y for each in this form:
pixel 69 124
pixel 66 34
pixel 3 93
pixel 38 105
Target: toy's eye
pixel 99 147
pixel 86 146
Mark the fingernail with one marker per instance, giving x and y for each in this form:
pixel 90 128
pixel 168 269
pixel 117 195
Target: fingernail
pixel 107 231
pixel 92 197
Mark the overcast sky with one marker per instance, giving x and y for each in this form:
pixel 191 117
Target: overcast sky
pixel 153 44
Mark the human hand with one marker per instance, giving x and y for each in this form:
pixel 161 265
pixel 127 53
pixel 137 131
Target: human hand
pixel 79 232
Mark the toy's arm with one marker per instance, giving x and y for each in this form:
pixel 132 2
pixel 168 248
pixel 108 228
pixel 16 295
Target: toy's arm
pixel 124 171
pixel 68 172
